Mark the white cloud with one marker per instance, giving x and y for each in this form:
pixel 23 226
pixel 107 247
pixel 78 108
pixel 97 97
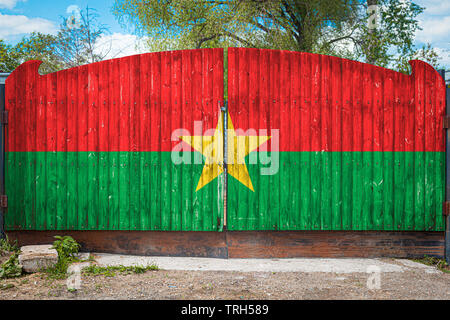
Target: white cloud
pixel 434 29
pixel 9 4
pixel 444 56
pixel 118 45
pixel 435 24
pixel 11 25
pixel 434 7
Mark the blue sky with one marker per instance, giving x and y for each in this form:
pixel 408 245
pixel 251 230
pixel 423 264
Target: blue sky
pixel 20 17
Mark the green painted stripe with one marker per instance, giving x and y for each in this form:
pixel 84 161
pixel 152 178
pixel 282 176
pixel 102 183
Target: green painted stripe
pixel 342 191
pixel 109 191
pixel 146 191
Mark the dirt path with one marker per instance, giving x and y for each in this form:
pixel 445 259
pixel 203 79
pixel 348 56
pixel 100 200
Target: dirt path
pixel 162 284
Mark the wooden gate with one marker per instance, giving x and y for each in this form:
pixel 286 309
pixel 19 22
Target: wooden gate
pixel 352 146
pixel 314 143
pixel 90 148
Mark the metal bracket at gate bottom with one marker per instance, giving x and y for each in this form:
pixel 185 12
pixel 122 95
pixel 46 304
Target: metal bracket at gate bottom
pixel 446 208
pixel 3 201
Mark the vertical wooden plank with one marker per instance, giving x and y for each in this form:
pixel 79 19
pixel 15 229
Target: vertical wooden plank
pixel 166 172
pixel 337 141
pixel 114 144
pixel 144 142
pixel 124 145
pixel 61 148
pixel 367 147
pixel 51 167
pixel 92 146
pixel 417 178
pixel 41 144
pixel 20 145
pixel 72 147
pixel 357 106
pixel 388 150
pixel 400 162
pixel 30 161
pixel 294 172
pixel 175 123
pixel 252 128
pixel 378 182
pixel 285 121
pixel 208 124
pixel 275 123
pixel 263 120
pixel 429 144
pixel 82 146
pixel 103 154
pixel 197 87
pixel 135 123
pixel 187 183
pixel 305 133
pixel 347 143
pixel 232 208
pixel 316 141
pixel 155 116
pixel 325 162
pixel 241 124
pixel 216 103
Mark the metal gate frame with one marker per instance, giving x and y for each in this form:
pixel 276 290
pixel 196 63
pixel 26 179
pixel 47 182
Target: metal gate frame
pixel 446 207
pixel 3 123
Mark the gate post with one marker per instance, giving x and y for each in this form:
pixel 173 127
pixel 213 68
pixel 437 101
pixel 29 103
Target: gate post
pixel 224 109
pixel 3 119
pixel 447 173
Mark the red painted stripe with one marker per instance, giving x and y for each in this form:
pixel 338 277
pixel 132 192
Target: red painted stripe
pixel 317 103
pixel 343 106
pixel 126 104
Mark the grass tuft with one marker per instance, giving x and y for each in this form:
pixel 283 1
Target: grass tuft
pixel 111 271
pixel 440 264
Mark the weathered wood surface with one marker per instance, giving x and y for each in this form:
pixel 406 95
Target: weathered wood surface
pixel 250 244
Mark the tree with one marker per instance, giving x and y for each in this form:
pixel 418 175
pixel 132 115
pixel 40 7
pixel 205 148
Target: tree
pixel 393 34
pixel 337 28
pixel 39 46
pixel 8 58
pixel 425 53
pixel 36 46
pixel 78 41
pixel 282 24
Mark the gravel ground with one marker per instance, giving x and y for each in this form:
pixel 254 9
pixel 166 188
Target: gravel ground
pixel 414 283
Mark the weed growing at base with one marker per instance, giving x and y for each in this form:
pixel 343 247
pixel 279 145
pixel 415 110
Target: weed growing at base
pixel 67 248
pixel 436 262
pixel 111 271
pixel 10 268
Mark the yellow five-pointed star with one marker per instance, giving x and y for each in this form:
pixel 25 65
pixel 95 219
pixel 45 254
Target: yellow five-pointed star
pixel 211 147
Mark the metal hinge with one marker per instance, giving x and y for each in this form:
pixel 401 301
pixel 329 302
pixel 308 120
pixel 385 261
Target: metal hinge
pixel 4 117
pixel 446 208
pixel 446 122
pixel 3 201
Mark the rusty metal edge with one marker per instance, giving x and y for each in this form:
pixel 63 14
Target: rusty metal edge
pixel 250 244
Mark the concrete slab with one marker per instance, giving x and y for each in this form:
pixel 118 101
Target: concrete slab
pixel 343 266
pixel 37 257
